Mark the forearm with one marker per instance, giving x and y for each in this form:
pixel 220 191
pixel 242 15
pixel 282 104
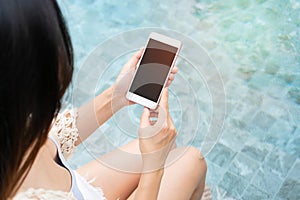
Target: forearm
pixel 149 185
pixel 94 114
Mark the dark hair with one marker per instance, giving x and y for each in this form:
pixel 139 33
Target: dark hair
pixel 36 66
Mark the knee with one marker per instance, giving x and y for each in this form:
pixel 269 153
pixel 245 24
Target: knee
pixel 195 159
pixel 189 158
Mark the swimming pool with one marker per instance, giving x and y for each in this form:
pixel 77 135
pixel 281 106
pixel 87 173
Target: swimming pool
pixel 254 45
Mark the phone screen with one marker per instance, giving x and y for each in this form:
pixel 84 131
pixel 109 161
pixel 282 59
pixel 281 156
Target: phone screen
pixel 153 70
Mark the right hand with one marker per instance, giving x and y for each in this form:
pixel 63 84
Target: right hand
pixel 156 140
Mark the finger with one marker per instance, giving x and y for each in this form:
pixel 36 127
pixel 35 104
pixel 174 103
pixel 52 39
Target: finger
pixel 168 83
pixel 131 103
pixel 153 114
pixel 152 123
pixel 170 121
pixel 145 121
pixel 174 70
pixel 164 100
pixel 136 57
pixel 171 77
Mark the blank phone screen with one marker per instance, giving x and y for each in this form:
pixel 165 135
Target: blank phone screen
pixel 153 70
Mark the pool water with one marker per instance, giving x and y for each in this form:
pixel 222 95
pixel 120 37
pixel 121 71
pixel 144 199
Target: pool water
pixel 254 45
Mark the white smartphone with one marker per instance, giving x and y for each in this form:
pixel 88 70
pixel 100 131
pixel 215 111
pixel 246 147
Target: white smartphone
pixel 153 70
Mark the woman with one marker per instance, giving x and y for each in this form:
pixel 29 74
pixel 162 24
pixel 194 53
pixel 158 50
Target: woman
pixel 36 65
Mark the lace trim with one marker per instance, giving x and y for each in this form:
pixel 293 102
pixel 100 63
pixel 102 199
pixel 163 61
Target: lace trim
pixel 43 194
pixel 64 130
pixel 87 185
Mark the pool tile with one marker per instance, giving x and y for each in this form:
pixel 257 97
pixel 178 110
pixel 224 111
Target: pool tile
pixel 221 155
pixel 263 120
pixel 283 128
pixel 254 193
pixel 256 150
pixel 233 184
pixel 296 81
pixel 244 166
pixel 253 98
pixel 294 95
pixel 267 180
pixel 293 146
pixel 275 108
pixel 217 192
pixel 288 78
pixel 277 89
pixel 244 112
pixel 238 123
pixel 289 190
pixel 280 162
pixel 230 105
pixel 245 73
pixel 294 112
pixel 280 133
pixel 256 132
pixel 260 80
pixel 271 69
pixel 260 124
pixel 234 88
pixel 214 173
pixel 295 171
pixel 229 196
pixel 234 138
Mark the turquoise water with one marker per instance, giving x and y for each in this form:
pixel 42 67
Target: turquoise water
pixel 254 45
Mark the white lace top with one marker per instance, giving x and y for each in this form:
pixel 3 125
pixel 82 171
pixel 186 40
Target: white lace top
pixel 64 131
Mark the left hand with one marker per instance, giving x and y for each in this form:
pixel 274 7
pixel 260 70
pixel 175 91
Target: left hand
pixel 124 79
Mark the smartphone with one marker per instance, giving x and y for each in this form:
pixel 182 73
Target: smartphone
pixel 153 69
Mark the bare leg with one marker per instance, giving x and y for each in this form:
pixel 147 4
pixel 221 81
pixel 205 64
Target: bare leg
pixel 183 179
pixel 115 184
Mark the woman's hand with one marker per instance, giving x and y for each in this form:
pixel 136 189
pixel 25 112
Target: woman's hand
pixel 123 81
pixel 100 109
pixel 156 139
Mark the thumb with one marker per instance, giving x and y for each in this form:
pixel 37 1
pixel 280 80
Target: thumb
pixel 164 99
pixel 145 118
pixel 135 58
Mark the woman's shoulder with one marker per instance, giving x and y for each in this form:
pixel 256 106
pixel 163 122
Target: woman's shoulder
pixel 46 176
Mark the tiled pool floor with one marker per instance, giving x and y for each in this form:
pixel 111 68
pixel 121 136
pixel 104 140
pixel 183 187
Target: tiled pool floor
pixel 244 167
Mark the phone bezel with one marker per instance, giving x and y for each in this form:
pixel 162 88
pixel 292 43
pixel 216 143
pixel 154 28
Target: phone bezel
pixel 142 100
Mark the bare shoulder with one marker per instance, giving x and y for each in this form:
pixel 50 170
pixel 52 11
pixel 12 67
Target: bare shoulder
pixel 45 173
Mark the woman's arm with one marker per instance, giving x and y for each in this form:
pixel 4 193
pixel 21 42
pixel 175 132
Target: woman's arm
pixel 99 110
pixel 95 113
pixel 149 185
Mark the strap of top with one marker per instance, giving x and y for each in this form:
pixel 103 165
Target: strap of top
pixel 74 188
